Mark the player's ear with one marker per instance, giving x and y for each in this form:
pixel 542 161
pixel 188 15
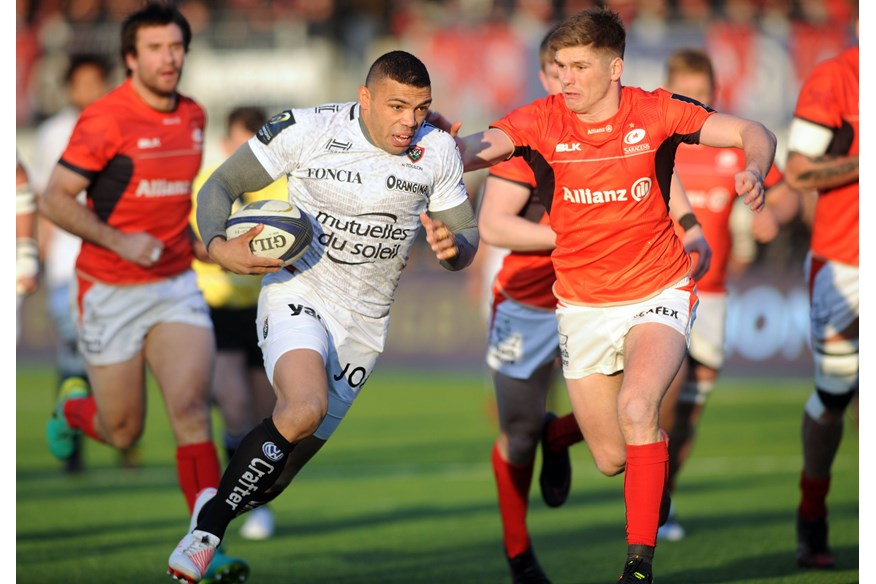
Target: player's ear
pixel 131 61
pixel 364 97
pixel 616 68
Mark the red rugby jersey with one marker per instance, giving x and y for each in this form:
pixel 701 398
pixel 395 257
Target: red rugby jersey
pixel 829 98
pixel 526 276
pixel 141 163
pixel 610 190
pixel 709 178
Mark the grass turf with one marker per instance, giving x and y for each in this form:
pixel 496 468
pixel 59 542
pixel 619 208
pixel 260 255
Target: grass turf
pixel 403 493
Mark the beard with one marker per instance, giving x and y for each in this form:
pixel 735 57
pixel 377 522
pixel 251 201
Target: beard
pixel 161 86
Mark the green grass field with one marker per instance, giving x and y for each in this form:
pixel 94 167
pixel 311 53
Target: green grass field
pixel 403 493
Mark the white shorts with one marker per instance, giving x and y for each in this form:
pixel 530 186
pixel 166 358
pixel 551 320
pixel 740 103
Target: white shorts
pixel 592 337
pixel 707 335
pixel 293 316
pixel 833 296
pixel 114 320
pixel 521 338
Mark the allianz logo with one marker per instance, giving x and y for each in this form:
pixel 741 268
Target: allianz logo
pixel 586 196
pixel 163 188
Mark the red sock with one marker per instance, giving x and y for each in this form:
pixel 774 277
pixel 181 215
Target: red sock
pixel 814 497
pixel 644 481
pixel 512 482
pixel 197 467
pixel 562 432
pixel 80 414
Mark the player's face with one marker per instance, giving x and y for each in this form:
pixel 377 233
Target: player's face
pixel 550 79
pixel 157 64
pixel 393 112
pixel 86 85
pixel 695 85
pixel 238 134
pixel 586 77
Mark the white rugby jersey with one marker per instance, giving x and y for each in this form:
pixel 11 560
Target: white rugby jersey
pixel 364 203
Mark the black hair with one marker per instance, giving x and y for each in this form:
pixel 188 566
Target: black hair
pixel 87 60
pixel 154 13
pixel 399 66
pixel 252 117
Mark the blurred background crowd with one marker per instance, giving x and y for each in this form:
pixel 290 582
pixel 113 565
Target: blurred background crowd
pixel 482 56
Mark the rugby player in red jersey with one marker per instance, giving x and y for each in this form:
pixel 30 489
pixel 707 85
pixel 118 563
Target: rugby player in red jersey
pixel 626 298
pixel 523 345
pixel 708 175
pixel 823 154
pixel 135 152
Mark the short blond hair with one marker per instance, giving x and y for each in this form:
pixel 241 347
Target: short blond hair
pixel 599 28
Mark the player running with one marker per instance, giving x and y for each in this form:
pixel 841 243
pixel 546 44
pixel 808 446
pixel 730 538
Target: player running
pixel 708 174
pixel 626 298
pixel 367 173
pixel 135 152
pixel 823 154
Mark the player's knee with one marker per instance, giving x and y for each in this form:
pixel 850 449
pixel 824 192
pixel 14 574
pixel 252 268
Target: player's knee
pixel 301 417
pixel 836 365
pixel 521 446
pixel 636 412
pixel 609 463
pixel 124 434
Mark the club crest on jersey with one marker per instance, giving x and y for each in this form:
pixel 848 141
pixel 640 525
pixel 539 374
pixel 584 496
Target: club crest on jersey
pixel 415 153
pixel 275 125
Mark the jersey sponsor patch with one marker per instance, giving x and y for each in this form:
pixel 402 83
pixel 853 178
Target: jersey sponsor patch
pixel 687 99
pixel 275 125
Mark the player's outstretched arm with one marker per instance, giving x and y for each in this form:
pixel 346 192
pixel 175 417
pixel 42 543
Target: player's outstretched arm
pixel 478 150
pixel 59 205
pixel 759 145
pixel 453 235
pixel 241 173
pixel 484 149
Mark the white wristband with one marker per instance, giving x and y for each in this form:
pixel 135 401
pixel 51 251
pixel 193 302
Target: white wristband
pixel 27 262
pixel 24 200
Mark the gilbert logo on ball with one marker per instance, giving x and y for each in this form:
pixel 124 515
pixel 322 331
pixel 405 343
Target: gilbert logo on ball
pixel 287 233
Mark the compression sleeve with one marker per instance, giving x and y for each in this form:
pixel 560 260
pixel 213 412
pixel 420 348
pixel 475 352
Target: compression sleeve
pixel 241 173
pixel 461 221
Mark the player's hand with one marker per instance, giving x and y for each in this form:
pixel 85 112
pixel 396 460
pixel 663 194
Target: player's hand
pixel 749 184
pixel 26 285
pixel 141 248
pixel 200 252
pixel 235 254
pixel 764 226
pixel 439 236
pixel 439 121
pixel 695 243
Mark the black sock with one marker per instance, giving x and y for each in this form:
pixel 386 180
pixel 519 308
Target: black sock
pixel 646 552
pixel 256 465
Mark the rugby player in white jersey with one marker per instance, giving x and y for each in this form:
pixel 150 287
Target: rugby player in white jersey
pixel 367 173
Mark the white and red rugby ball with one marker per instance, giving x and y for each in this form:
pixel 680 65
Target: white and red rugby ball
pixel 287 233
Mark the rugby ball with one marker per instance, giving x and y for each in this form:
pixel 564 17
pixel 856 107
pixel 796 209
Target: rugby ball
pixel 287 233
